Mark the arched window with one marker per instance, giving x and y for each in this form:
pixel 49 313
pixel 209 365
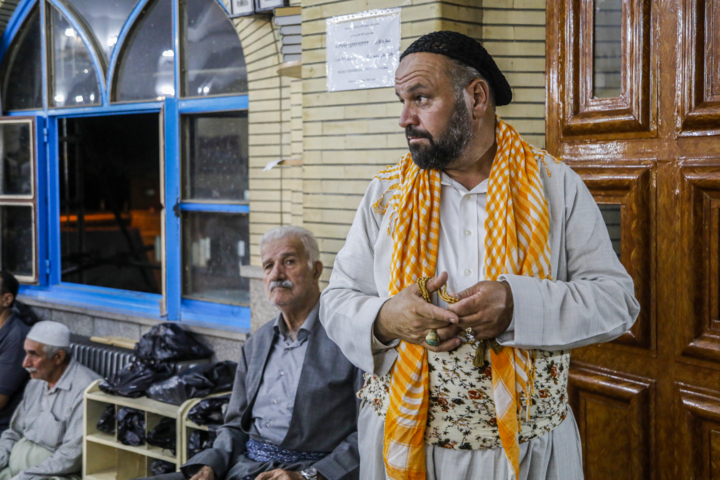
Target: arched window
pixel 124 150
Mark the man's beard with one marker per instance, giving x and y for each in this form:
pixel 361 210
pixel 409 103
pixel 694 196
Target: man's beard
pixel 448 147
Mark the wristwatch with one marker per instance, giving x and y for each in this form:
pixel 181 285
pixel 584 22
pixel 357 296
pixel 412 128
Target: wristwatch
pixel 310 473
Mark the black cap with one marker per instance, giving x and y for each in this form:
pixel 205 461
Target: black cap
pixel 468 51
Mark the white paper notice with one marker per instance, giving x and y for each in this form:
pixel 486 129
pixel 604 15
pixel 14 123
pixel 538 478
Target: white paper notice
pixel 363 50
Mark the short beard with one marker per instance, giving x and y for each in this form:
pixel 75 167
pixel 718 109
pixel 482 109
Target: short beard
pixel 448 147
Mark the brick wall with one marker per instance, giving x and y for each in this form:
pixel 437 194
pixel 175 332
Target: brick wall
pixel 275 129
pixel 514 34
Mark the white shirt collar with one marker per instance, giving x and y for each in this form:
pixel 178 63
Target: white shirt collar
pixel 446 180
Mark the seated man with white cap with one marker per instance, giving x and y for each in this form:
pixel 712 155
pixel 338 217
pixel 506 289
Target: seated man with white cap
pixel 44 440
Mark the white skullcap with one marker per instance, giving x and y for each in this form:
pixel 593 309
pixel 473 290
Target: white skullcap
pixel 50 333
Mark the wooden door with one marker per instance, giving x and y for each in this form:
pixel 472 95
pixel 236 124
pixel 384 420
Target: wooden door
pixel 634 108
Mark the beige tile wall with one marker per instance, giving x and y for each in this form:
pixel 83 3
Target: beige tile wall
pixel 514 34
pixel 275 130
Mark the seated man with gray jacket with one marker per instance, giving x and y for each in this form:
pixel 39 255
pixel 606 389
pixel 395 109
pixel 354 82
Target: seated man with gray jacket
pixel 293 410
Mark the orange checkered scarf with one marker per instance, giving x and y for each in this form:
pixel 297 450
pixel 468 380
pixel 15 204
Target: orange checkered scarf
pixel 517 228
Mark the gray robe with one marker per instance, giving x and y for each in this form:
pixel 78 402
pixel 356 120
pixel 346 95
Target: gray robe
pixel 590 300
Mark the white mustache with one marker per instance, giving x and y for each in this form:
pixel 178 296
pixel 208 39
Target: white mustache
pixel 31 370
pixel 281 284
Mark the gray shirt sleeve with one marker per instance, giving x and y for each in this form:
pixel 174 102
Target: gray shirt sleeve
pixel 351 302
pixel 594 303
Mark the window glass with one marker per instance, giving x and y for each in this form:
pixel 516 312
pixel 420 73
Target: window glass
pixel 612 215
pixel 607 55
pixel 215 157
pixel 22 69
pixel 74 79
pixel 214 247
pixel 110 210
pixel 213 57
pixel 16 154
pixel 18 239
pixel 146 68
pixel 106 18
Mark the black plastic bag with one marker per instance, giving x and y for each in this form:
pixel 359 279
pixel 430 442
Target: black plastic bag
pixel 134 380
pixel 200 440
pixel 160 467
pixel 164 435
pixel 107 420
pixel 210 411
pixel 178 388
pixel 195 382
pixel 168 341
pixel 131 427
pixel 222 376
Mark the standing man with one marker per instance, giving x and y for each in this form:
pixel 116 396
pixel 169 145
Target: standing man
pixel 12 337
pixel 517 234
pixel 44 440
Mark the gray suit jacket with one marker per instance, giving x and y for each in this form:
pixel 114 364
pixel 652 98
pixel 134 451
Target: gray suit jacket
pixel 324 415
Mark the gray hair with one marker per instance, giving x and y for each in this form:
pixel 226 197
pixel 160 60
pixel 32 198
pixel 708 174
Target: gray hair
pixel 51 350
pixel 461 76
pixel 291 231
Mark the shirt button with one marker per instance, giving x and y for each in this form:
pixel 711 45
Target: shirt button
pixel 468 233
pixel 275 401
pixel 283 373
pixel 468 272
pixel 267 424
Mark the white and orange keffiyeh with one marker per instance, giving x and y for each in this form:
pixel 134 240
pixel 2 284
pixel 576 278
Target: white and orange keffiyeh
pixel 517 229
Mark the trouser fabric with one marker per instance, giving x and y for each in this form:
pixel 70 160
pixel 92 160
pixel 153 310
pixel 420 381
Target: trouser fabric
pixel 26 454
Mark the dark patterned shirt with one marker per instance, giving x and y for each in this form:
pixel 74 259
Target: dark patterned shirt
pixel 14 377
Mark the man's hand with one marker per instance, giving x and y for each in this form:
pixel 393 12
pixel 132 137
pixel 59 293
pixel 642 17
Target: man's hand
pixel 280 475
pixel 407 316
pixel 486 307
pixel 205 473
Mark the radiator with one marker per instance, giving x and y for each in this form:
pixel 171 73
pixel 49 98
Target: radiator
pixel 102 359
pixel 106 360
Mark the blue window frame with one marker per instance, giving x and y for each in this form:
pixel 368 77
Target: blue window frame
pixel 176 302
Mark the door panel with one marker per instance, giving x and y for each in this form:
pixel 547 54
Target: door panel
pixel 582 112
pixel 633 188
pixel 614 416
pixel 701 69
pixel 699 433
pixel 701 205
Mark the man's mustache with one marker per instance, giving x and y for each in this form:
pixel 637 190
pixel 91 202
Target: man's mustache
pixel 281 284
pixel 413 132
pixel 31 370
